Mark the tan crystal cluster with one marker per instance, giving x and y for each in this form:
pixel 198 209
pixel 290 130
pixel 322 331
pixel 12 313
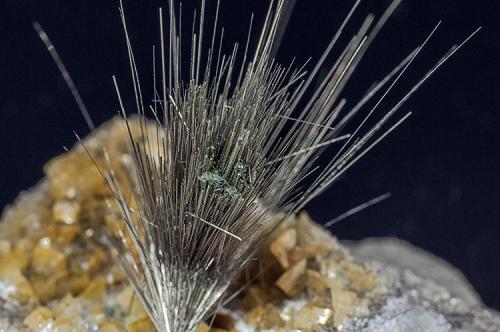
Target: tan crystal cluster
pixel 303 281
pixel 57 272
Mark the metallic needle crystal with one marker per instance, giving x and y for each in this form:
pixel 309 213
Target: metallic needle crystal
pixel 231 144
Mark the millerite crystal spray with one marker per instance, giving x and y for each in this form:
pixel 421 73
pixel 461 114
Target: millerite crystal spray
pixel 228 148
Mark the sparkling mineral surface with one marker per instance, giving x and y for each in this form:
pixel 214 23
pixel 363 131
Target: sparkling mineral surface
pixel 58 272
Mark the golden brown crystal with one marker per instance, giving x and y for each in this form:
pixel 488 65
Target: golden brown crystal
pixel 48 260
pixel 66 211
pixel 15 286
pixel 265 317
pixel 292 281
pixel 39 318
pixel 255 297
pixel 142 325
pixel 283 245
pixel 310 317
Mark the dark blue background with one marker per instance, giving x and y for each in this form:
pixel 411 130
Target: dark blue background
pixel 441 166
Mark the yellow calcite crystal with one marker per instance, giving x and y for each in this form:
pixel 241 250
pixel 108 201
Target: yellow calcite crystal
pixel 66 211
pixel 308 251
pixel 74 175
pixel 75 283
pixel 96 291
pixel 255 296
pixel 142 325
pixel 283 245
pixel 15 287
pixel 316 283
pixel 292 281
pixel 265 317
pixel 343 304
pixel 66 234
pixel 15 259
pixel 47 260
pixel 359 279
pixel 110 327
pixel 39 318
pixel 310 317
pixel 47 286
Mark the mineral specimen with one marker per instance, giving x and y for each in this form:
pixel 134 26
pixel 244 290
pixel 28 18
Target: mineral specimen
pixel 58 273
